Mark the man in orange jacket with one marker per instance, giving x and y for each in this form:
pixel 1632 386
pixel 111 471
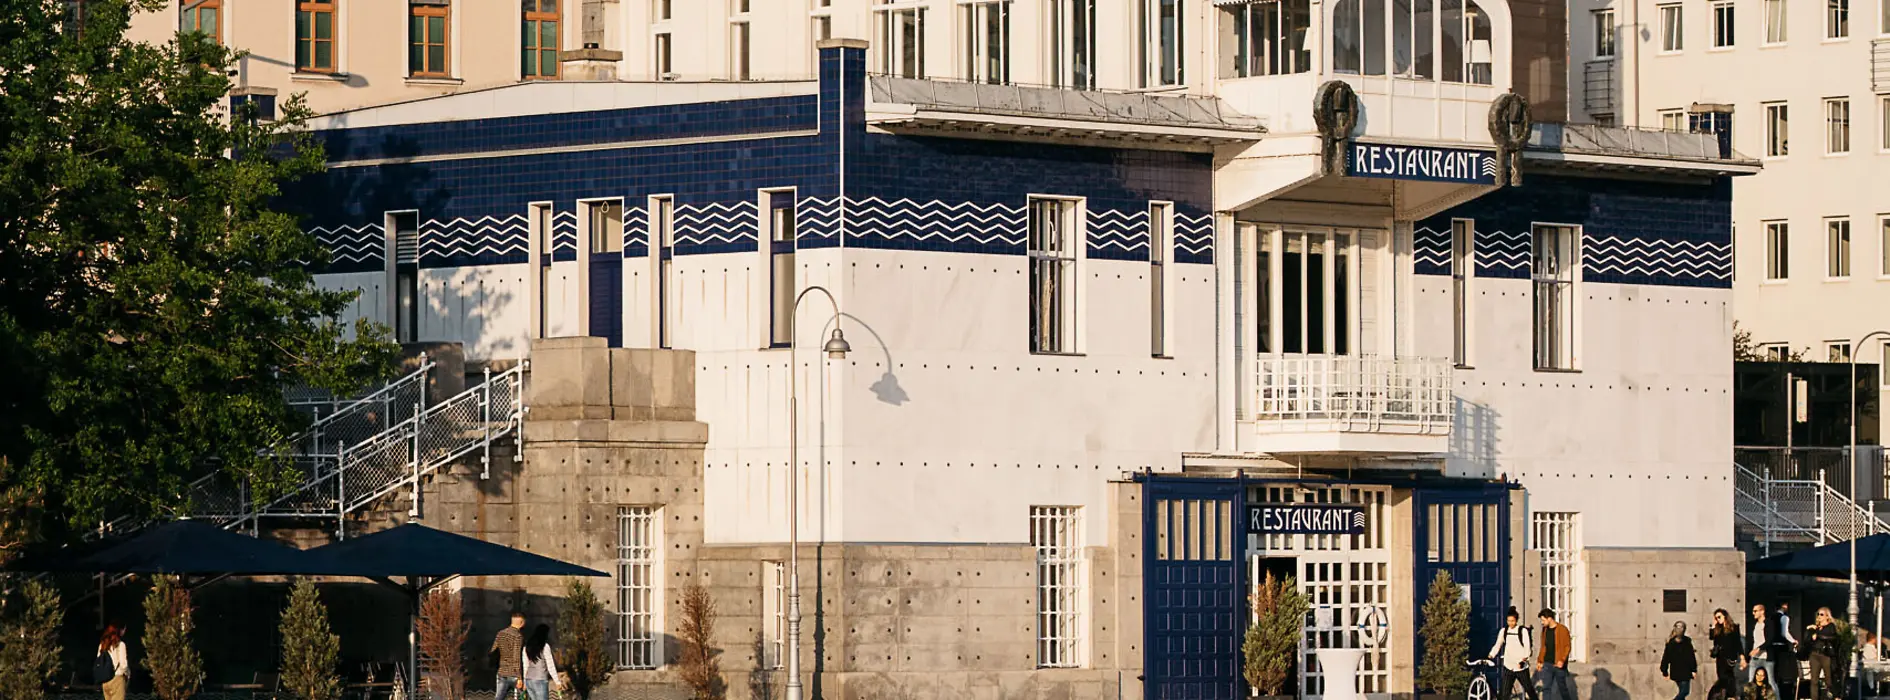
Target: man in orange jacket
pixel 1552 659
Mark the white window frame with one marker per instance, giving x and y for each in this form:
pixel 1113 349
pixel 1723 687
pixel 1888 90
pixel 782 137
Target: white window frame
pixel 1056 534
pixel 1557 539
pixel 819 28
pixel 1778 133
pixel 662 40
pixel 894 45
pixel 1161 258
pixel 741 40
pixel 1673 37
pixel 1070 47
pixel 1883 119
pixel 1607 33
pixel 1057 323
pixel 406 296
pixel 1778 250
pixel 665 289
pixel 1837 20
pixel 1558 345
pixel 1777 26
pixel 1837 126
pixel 1463 277
pixel 1837 351
pixel 1837 248
pixel 1674 120
pixel 987 60
pixel 1259 39
pixel 1725 26
pixel 1775 352
pixel 639 609
pixel 1883 249
pixel 1341 253
pixel 777 248
pixel 773 614
pixel 1155 56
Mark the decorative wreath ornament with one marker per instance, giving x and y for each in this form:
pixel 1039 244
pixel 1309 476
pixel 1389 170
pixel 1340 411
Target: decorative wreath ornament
pixel 1509 128
pixel 1335 112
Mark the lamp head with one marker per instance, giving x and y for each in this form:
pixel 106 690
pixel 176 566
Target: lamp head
pixel 837 347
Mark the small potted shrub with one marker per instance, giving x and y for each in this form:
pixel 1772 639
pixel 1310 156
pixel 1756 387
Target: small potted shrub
pixel 1272 644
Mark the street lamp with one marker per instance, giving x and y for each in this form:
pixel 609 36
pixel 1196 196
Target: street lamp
pixel 836 348
pixel 1851 609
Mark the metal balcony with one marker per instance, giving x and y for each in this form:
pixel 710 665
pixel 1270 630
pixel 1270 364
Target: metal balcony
pixel 1352 404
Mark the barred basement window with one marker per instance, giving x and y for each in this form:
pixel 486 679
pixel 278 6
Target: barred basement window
pixel 1557 537
pixel 1057 534
pixel 636 587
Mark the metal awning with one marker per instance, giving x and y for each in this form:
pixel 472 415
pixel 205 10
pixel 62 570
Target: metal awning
pixel 1017 110
pixel 1593 146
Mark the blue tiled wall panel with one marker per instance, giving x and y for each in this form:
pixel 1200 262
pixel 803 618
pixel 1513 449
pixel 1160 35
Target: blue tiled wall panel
pixel 1633 231
pixel 790 113
pixel 607 297
pixel 965 195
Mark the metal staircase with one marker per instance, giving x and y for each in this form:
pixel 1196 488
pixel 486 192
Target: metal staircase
pixel 1797 511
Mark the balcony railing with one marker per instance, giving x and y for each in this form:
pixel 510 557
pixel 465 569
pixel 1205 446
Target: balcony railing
pixel 1337 393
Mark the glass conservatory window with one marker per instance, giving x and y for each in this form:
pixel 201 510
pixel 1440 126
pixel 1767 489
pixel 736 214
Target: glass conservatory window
pixel 1395 37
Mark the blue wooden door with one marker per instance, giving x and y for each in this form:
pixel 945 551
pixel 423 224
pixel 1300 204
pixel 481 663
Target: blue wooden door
pixel 1465 532
pixel 1195 607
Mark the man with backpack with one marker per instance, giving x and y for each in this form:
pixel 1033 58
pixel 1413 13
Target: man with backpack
pixel 1515 645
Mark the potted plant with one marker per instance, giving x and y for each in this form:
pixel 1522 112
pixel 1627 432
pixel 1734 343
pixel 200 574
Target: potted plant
pixel 1272 643
pixel 1446 636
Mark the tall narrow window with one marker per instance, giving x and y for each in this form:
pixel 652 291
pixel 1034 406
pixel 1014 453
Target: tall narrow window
pixel 1883 118
pixel 901 38
pixel 739 40
pixel 315 36
pixel 1883 252
pixel 782 287
pixel 664 283
pixel 203 17
pixel 1055 234
pixel 1269 37
pixel 427 27
pixel 773 614
pixel 637 583
pixel 820 25
pixel 1837 125
pixel 406 282
pixel 541 225
pixel 539 39
pixel 1555 267
pixel 1605 33
pixel 1056 532
pixel 605 226
pixel 1778 248
pixel 1557 539
pixel 988 41
pixel 1837 248
pixel 1672 28
pixel 1161 39
pixel 1775 14
pixel 662 10
pixel 1161 241
pixel 1315 289
pixel 660 61
pixel 1463 274
pixel 1777 130
pixel 1723 34
pixel 1073 44
pixel 1837 19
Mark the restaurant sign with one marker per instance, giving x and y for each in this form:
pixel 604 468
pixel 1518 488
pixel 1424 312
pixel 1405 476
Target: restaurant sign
pixel 1305 520
pixel 1426 163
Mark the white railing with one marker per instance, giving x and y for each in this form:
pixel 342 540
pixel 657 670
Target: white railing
pixel 1353 393
pixel 1798 509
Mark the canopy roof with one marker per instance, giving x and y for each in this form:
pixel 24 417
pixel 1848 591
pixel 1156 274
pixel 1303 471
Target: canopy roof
pixel 184 547
pixel 1832 560
pixel 415 550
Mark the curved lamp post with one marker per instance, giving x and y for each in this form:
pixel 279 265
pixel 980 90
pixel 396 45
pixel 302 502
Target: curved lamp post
pixel 1851 456
pixel 836 348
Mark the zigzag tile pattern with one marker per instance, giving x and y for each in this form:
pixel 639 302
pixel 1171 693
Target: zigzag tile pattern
pixel 933 225
pixel 1117 234
pixel 1499 253
pixel 486 237
pixel 353 247
pixel 715 227
pixel 817 222
pixel 564 234
pixel 1604 258
pixel 1194 238
pixel 636 232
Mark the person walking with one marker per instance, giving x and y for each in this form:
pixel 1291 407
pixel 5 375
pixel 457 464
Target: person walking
pixel 1552 659
pixel 1679 662
pixel 509 647
pixel 1766 639
pixel 1822 637
pixel 1761 686
pixel 112 670
pixel 1785 668
pixel 1513 650
pixel 1728 656
pixel 541 671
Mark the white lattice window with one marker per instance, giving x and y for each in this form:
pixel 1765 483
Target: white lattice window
pixel 636 587
pixel 1344 577
pixel 1056 532
pixel 773 613
pixel 1557 538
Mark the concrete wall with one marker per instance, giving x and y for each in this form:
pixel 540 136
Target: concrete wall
pixel 1627 629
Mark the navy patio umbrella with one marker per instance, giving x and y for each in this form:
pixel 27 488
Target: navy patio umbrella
pixel 1833 560
pixel 182 547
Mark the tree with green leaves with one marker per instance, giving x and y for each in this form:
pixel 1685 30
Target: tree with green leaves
pixel 1272 643
pixel 29 641
pixel 176 667
pixel 156 305
pixel 1446 637
pixel 309 648
pixel 584 634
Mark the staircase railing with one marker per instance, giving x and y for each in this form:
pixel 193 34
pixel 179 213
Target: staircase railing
pixel 1799 508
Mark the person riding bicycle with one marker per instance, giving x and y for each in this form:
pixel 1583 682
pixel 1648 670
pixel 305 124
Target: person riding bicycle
pixel 1514 648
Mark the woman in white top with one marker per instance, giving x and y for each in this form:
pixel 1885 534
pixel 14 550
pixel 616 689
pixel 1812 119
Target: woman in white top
pixel 541 671
pixel 111 645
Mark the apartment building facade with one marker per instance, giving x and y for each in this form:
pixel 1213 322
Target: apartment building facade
pixel 1148 299
pixel 1806 87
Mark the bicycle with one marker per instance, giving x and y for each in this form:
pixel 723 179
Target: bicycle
pixel 1479 685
